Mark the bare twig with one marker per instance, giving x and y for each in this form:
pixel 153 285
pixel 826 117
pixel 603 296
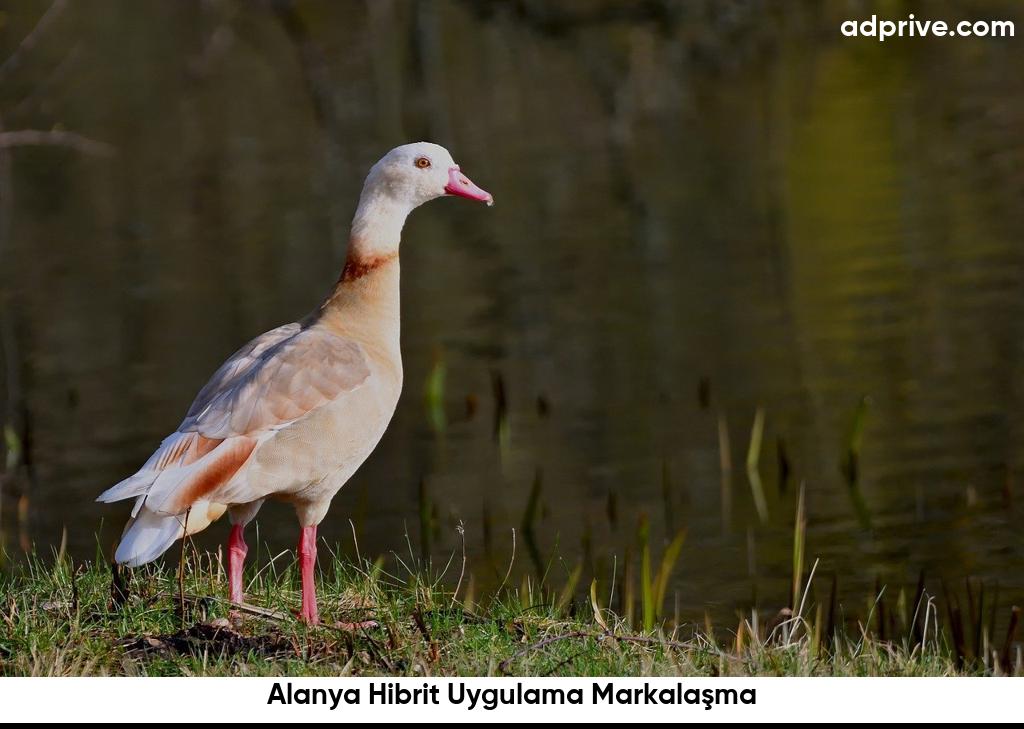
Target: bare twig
pixel 240 606
pixel 181 565
pixel 421 625
pixel 503 666
pixel 29 41
pixel 355 541
pixel 55 138
pixel 261 612
pixel 511 562
pixel 643 640
pixel 462 535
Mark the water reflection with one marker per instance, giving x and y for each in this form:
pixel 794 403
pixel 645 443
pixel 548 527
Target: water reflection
pixel 705 211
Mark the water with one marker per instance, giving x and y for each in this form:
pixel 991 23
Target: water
pixel 700 212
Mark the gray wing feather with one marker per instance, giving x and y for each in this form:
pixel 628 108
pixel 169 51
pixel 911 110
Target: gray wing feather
pixel 274 379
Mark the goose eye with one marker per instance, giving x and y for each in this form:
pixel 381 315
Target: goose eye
pixel 422 162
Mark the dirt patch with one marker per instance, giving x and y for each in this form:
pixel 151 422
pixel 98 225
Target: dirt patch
pixel 211 639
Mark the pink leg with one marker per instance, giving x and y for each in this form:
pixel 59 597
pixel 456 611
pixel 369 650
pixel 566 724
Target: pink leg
pixel 236 558
pixel 307 564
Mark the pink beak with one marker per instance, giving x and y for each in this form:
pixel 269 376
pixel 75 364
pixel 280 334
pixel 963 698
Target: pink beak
pixel 459 184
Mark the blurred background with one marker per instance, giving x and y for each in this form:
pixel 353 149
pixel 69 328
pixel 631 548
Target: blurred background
pixel 733 253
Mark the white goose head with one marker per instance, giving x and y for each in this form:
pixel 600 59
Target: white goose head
pixel 419 172
pixel 401 181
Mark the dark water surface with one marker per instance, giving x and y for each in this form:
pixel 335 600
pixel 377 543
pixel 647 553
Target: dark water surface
pixel 703 209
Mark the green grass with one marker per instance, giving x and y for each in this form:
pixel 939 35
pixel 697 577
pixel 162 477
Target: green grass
pixel 58 618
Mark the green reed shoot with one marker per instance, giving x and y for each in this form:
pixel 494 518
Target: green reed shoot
pixel 566 595
pixel 753 461
pixel 654 586
pixel 433 392
pixel 799 541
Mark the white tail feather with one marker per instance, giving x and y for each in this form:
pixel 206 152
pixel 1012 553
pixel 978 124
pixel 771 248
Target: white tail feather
pixel 135 485
pixel 169 454
pixel 152 529
pixel 147 536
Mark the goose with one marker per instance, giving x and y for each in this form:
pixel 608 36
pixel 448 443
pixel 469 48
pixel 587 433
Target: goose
pixel 292 414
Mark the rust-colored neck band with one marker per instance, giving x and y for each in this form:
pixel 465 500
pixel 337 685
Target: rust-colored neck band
pixel 358 266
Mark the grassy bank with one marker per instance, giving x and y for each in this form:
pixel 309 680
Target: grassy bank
pixel 59 618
